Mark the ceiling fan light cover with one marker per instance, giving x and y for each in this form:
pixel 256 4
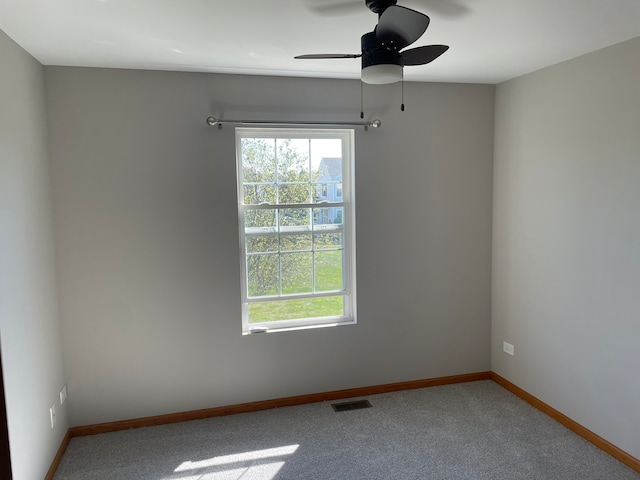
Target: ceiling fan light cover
pixel 382 73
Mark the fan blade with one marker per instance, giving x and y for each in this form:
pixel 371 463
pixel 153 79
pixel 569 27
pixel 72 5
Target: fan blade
pixel 422 55
pixel 400 26
pixel 328 55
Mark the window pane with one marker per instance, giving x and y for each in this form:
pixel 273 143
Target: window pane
pixel 297 271
pixel 294 217
pixel 327 192
pixel 263 275
pixel 339 218
pixel 327 240
pixel 263 243
pixel 296 309
pixel 258 160
pixel 330 170
pixel 294 193
pixel 257 194
pixel 295 242
pixel 328 271
pixel 259 218
pixel 328 216
pixel 293 160
pixel 325 147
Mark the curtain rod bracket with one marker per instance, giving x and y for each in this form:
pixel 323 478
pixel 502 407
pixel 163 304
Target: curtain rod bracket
pixel 213 121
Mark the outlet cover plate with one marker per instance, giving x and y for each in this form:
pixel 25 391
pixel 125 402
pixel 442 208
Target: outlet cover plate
pixel 508 348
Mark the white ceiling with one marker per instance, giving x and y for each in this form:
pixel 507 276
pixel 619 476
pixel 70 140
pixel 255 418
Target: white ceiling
pixel 491 40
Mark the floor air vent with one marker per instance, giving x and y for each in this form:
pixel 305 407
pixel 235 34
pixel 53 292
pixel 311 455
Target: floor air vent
pixel 355 405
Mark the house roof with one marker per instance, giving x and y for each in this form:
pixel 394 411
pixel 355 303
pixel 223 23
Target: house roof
pixel 331 165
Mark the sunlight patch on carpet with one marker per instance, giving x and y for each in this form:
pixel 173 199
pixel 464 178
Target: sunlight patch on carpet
pixel 238 458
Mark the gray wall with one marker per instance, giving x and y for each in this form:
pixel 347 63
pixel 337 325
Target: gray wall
pixel 147 240
pixel 29 331
pixel 566 251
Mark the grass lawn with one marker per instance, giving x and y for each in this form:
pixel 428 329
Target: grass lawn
pixel 328 277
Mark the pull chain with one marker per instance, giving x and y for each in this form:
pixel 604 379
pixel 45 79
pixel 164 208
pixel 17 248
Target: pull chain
pixel 361 99
pixel 402 91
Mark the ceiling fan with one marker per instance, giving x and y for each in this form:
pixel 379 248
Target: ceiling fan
pixel 383 57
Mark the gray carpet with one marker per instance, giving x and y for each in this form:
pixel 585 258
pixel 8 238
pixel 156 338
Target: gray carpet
pixel 466 431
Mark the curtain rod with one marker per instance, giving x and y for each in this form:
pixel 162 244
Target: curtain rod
pixel 212 121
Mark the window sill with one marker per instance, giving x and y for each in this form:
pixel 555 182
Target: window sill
pixel 275 329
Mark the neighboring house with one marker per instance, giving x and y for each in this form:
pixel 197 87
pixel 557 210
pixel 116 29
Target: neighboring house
pixel 329 190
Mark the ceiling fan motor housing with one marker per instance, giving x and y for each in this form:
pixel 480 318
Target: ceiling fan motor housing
pixel 379 6
pixel 374 53
pixel 380 63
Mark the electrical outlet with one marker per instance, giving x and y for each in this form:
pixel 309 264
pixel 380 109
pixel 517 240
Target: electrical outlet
pixel 508 348
pixel 63 395
pixel 52 415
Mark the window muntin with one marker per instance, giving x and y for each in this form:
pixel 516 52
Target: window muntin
pixel 296 233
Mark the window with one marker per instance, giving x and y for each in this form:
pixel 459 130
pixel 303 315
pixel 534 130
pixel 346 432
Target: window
pixel 297 240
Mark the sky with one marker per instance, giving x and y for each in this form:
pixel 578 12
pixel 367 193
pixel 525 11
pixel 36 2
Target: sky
pixel 320 148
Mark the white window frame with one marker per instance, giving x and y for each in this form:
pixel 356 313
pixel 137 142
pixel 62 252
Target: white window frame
pixel 347 202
